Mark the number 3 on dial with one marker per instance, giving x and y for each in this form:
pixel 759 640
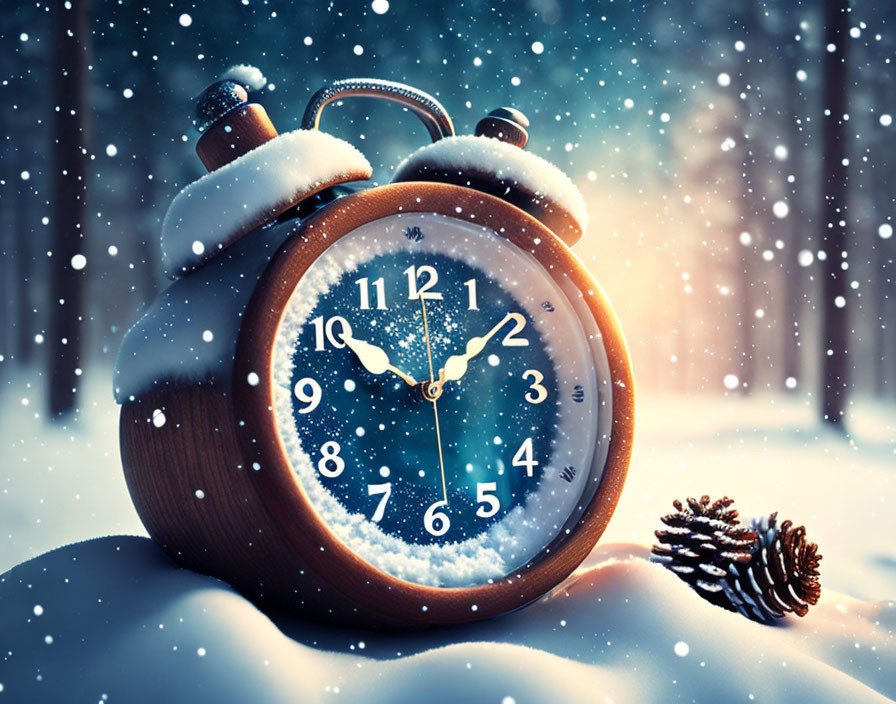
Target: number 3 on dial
pixel 541 393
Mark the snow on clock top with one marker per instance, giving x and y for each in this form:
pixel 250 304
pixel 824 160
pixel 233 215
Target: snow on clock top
pixel 214 211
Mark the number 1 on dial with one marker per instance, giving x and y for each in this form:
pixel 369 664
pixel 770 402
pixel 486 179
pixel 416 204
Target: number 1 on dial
pixel 471 294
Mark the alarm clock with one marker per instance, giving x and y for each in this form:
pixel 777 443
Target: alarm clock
pixel 401 405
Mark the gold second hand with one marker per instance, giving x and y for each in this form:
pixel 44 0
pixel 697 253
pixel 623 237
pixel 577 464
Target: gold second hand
pixel 435 408
pixel 435 411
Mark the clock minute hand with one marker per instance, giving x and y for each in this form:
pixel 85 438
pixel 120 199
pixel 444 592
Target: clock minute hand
pixel 456 365
pixel 374 359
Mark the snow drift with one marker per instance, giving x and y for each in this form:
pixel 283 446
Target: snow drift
pixel 114 620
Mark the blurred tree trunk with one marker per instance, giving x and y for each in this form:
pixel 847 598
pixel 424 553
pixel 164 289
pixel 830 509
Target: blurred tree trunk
pixel 745 294
pixel 748 82
pixel 793 275
pixel 745 288
pixel 22 269
pixel 7 270
pixel 834 347
pixel 69 191
pixel 881 281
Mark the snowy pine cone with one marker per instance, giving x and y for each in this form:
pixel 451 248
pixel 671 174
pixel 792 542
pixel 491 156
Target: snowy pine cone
pixel 763 571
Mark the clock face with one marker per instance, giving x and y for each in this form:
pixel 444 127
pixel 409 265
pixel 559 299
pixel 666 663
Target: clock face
pixel 437 395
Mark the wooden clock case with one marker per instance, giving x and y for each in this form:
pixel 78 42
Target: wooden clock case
pixel 253 525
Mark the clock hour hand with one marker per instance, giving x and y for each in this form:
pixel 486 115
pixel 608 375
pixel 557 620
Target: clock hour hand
pixel 456 365
pixel 374 359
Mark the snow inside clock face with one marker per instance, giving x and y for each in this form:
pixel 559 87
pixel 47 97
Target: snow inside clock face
pixel 436 395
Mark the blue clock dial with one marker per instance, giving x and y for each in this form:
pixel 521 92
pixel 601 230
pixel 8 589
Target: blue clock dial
pixel 437 396
pixel 386 455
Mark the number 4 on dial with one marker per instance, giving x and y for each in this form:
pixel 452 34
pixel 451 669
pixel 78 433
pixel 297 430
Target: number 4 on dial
pixel 523 457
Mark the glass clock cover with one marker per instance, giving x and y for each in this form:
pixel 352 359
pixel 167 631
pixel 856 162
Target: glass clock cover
pixel 437 394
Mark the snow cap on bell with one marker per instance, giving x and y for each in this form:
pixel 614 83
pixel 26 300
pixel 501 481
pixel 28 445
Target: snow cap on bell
pixel 253 189
pixel 250 77
pixel 502 169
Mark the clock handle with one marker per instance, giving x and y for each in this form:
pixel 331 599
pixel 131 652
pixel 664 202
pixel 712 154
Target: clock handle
pixel 427 108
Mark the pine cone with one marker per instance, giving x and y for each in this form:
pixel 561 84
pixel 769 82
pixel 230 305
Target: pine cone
pixel 762 571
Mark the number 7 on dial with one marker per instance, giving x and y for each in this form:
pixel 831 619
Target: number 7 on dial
pixel 386 491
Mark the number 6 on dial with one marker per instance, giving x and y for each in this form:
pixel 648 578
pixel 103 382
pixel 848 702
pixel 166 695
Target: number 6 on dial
pixel 436 522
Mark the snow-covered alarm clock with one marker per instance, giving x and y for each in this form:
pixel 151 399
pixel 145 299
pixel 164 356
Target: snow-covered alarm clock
pixel 405 405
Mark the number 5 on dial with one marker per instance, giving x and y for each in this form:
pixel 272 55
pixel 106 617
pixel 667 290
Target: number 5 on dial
pixel 483 497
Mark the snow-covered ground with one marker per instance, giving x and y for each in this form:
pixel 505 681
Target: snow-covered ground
pixel 114 620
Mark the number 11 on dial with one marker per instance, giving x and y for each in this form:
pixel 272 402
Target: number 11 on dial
pixel 380 287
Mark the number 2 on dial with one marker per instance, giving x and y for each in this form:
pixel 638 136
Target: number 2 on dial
pixel 511 339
